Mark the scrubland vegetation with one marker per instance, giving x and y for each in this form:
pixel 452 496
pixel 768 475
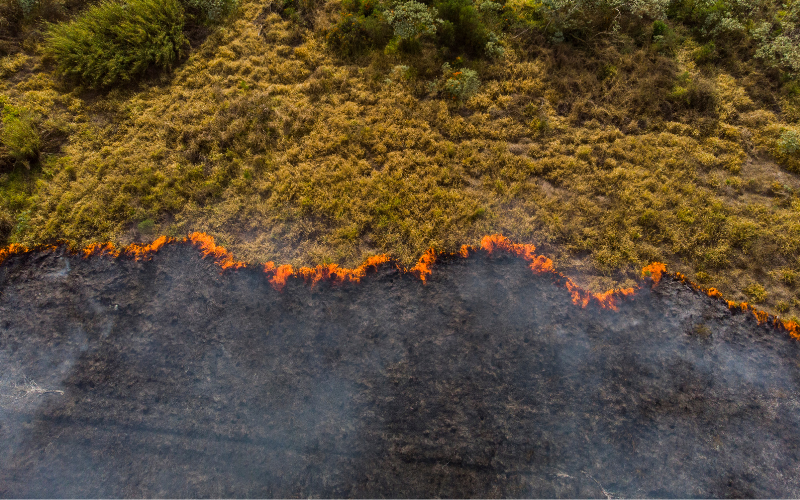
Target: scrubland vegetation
pixel 610 133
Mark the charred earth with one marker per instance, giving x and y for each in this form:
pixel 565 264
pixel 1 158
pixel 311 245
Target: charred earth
pixel 169 378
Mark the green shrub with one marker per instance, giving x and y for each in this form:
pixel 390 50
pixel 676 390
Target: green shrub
pixel 412 19
pixel 756 292
pixel 115 43
pixel 660 28
pixel 493 48
pixel 694 93
pixel 355 33
pixel 663 38
pixel 712 19
pixel 789 143
pixel 27 6
pixel 453 25
pixel 21 139
pixel 462 28
pixel 607 72
pixel 365 7
pixel 361 26
pixel 581 19
pixel 212 10
pixel 705 54
pixel 302 11
pixel 458 85
pixel 19 135
pixel 146 226
pixel 779 43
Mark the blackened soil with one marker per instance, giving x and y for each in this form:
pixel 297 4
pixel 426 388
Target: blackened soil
pixel 169 379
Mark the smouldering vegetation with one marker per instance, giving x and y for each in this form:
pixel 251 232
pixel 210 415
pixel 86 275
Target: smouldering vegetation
pixel 608 133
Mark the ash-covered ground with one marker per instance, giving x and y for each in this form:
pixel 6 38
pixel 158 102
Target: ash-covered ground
pixel 169 378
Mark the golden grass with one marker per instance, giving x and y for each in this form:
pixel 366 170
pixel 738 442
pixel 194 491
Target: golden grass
pixel 287 154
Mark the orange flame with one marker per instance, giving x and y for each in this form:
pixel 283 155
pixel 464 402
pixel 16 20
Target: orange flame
pixel 497 242
pixel 279 275
pixel 541 264
pixel 329 272
pixel 423 267
pixel 145 252
pixel 12 250
pixel 100 249
pixel 654 271
pixel 222 257
pixel 792 328
pixel 788 326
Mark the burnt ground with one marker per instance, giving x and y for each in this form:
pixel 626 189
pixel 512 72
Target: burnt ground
pixel 170 379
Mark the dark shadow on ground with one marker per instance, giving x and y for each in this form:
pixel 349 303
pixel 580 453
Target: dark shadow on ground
pixel 169 379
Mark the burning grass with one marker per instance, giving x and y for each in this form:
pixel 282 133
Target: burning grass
pixel 287 153
pixel 491 245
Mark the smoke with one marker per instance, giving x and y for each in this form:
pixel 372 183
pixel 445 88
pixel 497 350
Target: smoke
pixel 33 368
pixel 485 379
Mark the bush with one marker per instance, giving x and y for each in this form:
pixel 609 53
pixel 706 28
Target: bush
pixel 11 17
pixel 456 25
pixel 27 6
pixel 660 29
pixel 114 43
pixel 147 226
pixel 711 19
pixel 694 92
pixel 493 48
pixel 355 33
pixel 303 11
pixel 412 19
pixel 349 36
pixel 21 139
pixel 756 292
pixel 787 150
pixel 459 85
pixel 779 40
pixel 19 136
pixel 789 143
pixel 583 18
pixel 705 54
pixel 212 10
pixel 14 14
pixel 463 28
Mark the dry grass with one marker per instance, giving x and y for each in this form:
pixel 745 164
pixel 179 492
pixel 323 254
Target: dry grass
pixel 284 152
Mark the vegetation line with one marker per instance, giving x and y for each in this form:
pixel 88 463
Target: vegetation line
pixel 278 275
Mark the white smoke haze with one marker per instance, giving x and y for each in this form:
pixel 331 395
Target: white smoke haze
pixel 179 380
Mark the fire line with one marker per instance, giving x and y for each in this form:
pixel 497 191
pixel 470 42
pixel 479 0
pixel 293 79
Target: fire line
pixel 492 244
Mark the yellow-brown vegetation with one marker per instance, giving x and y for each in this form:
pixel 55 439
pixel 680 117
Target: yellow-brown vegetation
pixel 266 139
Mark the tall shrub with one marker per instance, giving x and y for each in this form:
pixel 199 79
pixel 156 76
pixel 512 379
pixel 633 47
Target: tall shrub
pixel 113 42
